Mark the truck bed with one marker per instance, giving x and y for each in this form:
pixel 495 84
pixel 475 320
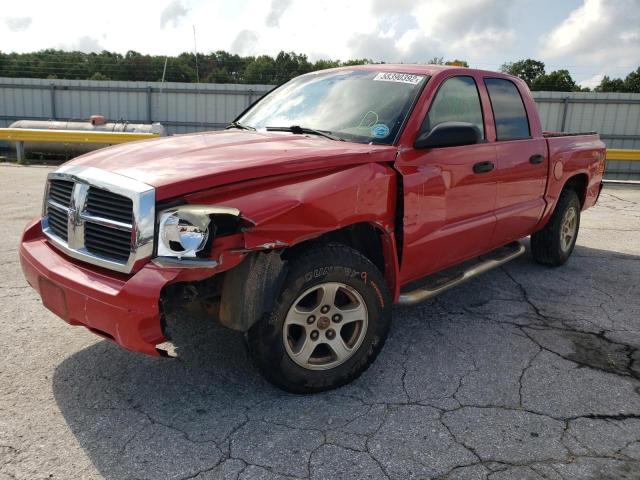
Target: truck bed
pixel 579 155
pixel 580 145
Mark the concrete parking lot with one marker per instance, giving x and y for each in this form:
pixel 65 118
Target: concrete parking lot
pixel 526 372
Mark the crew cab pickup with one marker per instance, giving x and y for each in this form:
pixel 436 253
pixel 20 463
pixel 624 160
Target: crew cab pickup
pixel 333 197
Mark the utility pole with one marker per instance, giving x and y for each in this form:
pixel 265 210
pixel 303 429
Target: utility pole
pixel 195 49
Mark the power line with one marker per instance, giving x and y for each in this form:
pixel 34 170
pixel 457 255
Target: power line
pixel 159 61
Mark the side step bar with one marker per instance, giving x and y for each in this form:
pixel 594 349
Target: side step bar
pixel 425 293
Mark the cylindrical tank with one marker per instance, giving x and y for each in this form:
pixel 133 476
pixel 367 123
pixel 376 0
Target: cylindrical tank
pixel 96 123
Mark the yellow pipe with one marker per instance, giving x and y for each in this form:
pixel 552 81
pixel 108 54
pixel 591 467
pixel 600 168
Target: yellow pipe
pixel 618 154
pixel 70 136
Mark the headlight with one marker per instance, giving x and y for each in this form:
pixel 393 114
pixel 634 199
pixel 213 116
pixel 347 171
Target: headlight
pixel 184 231
pixel 182 237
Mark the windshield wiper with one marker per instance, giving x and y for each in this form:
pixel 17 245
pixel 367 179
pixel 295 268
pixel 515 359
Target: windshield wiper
pixel 297 129
pixel 240 126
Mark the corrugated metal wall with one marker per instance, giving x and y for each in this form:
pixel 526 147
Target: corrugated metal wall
pixel 181 107
pixel 615 116
pixel 187 107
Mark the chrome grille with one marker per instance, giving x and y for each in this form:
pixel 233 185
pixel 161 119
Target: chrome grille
pixel 110 242
pixel 105 204
pixel 58 221
pixel 99 217
pixel 61 191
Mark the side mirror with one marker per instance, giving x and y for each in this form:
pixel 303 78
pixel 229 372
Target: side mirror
pixel 449 134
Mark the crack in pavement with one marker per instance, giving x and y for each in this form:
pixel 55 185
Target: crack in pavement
pixel 470 385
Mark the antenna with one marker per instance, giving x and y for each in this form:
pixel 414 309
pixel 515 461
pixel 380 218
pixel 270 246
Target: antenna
pixel 195 49
pixel 164 70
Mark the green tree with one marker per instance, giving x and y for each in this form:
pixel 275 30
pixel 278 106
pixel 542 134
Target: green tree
pixel 98 76
pixel 557 81
pixel 356 61
pixel 457 63
pixel 611 85
pixel 324 64
pixel 528 70
pixel 260 70
pixel 289 65
pixel 632 82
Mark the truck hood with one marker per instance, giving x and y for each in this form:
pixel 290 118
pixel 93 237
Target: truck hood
pixel 183 164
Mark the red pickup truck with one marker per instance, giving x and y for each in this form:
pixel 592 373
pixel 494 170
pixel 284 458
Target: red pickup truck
pixel 334 196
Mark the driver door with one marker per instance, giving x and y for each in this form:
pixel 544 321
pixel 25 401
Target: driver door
pixel 449 202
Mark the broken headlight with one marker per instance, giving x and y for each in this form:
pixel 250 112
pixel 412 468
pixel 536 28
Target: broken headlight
pixel 185 231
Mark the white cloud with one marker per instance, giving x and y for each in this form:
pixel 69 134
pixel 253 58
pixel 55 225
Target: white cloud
pixel 419 30
pixel 599 32
pixel 17 24
pixel 84 44
pixel 592 82
pixel 172 13
pixel 278 7
pixel 245 43
pixel 600 35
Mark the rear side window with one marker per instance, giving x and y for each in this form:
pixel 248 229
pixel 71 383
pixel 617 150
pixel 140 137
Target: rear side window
pixel 508 110
pixel 457 100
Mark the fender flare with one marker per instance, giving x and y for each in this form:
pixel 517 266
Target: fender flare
pixel 251 289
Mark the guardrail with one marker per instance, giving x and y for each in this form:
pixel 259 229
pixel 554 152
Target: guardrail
pixel 21 135
pixel 619 154
pixel 622 165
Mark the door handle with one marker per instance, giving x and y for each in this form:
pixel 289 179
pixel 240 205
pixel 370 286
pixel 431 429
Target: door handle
pixel 535 159
pixel 483 167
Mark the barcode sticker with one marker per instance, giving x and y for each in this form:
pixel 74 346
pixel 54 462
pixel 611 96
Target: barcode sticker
pixel 398 78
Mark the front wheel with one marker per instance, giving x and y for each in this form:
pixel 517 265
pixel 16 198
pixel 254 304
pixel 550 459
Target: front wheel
pixel 329 324
pixel 554 243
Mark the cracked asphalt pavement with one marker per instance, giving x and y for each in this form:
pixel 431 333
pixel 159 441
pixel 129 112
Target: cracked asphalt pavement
pixel 526 372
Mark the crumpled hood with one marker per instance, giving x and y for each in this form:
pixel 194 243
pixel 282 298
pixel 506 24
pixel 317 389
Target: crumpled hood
pixel 183 164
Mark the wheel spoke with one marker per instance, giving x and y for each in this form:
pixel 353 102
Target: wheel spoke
pixel 329 291
pixel 297 317
pixel 354 314
pixel 339 349
pixel 306 351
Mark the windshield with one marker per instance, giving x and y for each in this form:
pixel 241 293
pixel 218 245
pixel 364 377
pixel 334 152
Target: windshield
pixel 358 105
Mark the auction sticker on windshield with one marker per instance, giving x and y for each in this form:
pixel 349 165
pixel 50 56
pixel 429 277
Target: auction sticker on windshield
pixel 398 78
pixel 379 130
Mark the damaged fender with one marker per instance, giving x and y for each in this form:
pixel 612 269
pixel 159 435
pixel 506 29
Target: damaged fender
pixel 288 210
pixel 251 289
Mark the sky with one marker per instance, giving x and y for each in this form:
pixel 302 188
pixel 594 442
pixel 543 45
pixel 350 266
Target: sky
pixel 590 38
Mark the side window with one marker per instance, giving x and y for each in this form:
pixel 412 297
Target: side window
pixel 457 100
pixel 508 109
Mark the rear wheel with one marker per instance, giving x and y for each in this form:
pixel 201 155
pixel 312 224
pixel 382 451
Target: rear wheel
pixel 329 324
pixel 554 244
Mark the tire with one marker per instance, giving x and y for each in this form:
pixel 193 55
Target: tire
pixel 279 343
pixel 550 246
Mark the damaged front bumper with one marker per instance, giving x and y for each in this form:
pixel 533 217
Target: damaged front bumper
pixel 121 308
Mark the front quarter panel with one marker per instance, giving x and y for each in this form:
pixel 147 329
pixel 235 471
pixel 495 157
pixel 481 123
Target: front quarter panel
pixel 291 209
pixel 286 210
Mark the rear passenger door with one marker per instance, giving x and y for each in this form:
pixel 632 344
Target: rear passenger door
pixel 522 164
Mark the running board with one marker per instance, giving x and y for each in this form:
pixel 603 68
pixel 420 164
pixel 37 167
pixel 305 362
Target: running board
pixel 486 263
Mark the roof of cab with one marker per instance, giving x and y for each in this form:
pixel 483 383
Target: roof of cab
pixel 418 69
pixel 415 69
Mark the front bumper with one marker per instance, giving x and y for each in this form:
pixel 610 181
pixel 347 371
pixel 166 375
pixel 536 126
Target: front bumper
pixel 124 309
